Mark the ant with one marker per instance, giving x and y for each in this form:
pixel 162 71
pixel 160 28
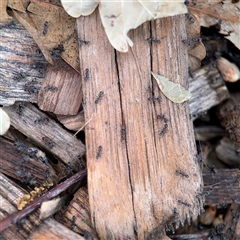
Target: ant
pixel 86 75
pixel 99 152
pixel 45 28
pixel 182 173
pixel 99 97
pixel 51 88
pixel 153 40
pixel 48 142
pixel 164 130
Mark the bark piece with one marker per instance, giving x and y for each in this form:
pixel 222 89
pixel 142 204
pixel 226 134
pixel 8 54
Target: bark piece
pixel 205 133
pixel 53 230
pixel 208 89
pixel 22 163
pixel 47 134
pixel 77 216
pixel 229 116
pixel 226 152
pixel 215 185
pixel 72 122
pixel 132 177
pixel 22 65
pixel 232 220
pixel 61 91
pixel 9 194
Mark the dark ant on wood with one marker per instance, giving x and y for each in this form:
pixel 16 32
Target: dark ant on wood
pixel 123 132
pixel 41 120
pixel 164 130
pixel 83 42
pixel 195 39
pixel 199 158
pixel 51 88
pixel 45 28
pixel 73 225
pixel 69 168
pixel 190 17
pixel 48 142
pixel 186 42
pixel 99 97
pixel 99 152
pixel 152 99
pixel 32 152
pixel 30 88
pixel 150 39
pixel 86 78
pixel 190 73
pixel 213 169
pixel 20 146
pixel 162 116
pixel 20 108
pixel 182 173
pixel 184 203
pixel 19 224
pixel 47 173
pixel 87 235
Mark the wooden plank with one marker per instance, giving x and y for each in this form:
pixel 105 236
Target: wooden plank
pixel 208 89
pixel 77 215
pixel 46 133
pixel 131 167
pixel 26 164
pixel 61 91
pixel 53 230
pixel 23 66
pixel 222 186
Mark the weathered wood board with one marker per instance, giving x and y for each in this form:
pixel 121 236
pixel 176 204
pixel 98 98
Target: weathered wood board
pixel 132 180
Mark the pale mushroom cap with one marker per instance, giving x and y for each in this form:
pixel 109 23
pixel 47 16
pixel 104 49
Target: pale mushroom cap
pixel 4 122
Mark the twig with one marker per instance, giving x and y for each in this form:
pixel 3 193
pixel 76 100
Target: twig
pixel 15 217
pixel 82 127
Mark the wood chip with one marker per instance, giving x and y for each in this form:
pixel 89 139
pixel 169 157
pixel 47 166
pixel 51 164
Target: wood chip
pixel 61 92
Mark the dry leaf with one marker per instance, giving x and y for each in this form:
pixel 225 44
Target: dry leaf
pixel 56 27
pixel 118 17
pixel 50 26
pixel 173 91
pixel 26 21
pixel 225 13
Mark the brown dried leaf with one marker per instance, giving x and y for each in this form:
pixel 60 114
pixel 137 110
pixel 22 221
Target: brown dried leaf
pixel 226 13
pixel 26 21
pixel 57 27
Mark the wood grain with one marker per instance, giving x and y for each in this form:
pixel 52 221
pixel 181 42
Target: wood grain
pixel 9 194
pixel 133 185
pixel 47 134
pixel 61 91
pixel 53 230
